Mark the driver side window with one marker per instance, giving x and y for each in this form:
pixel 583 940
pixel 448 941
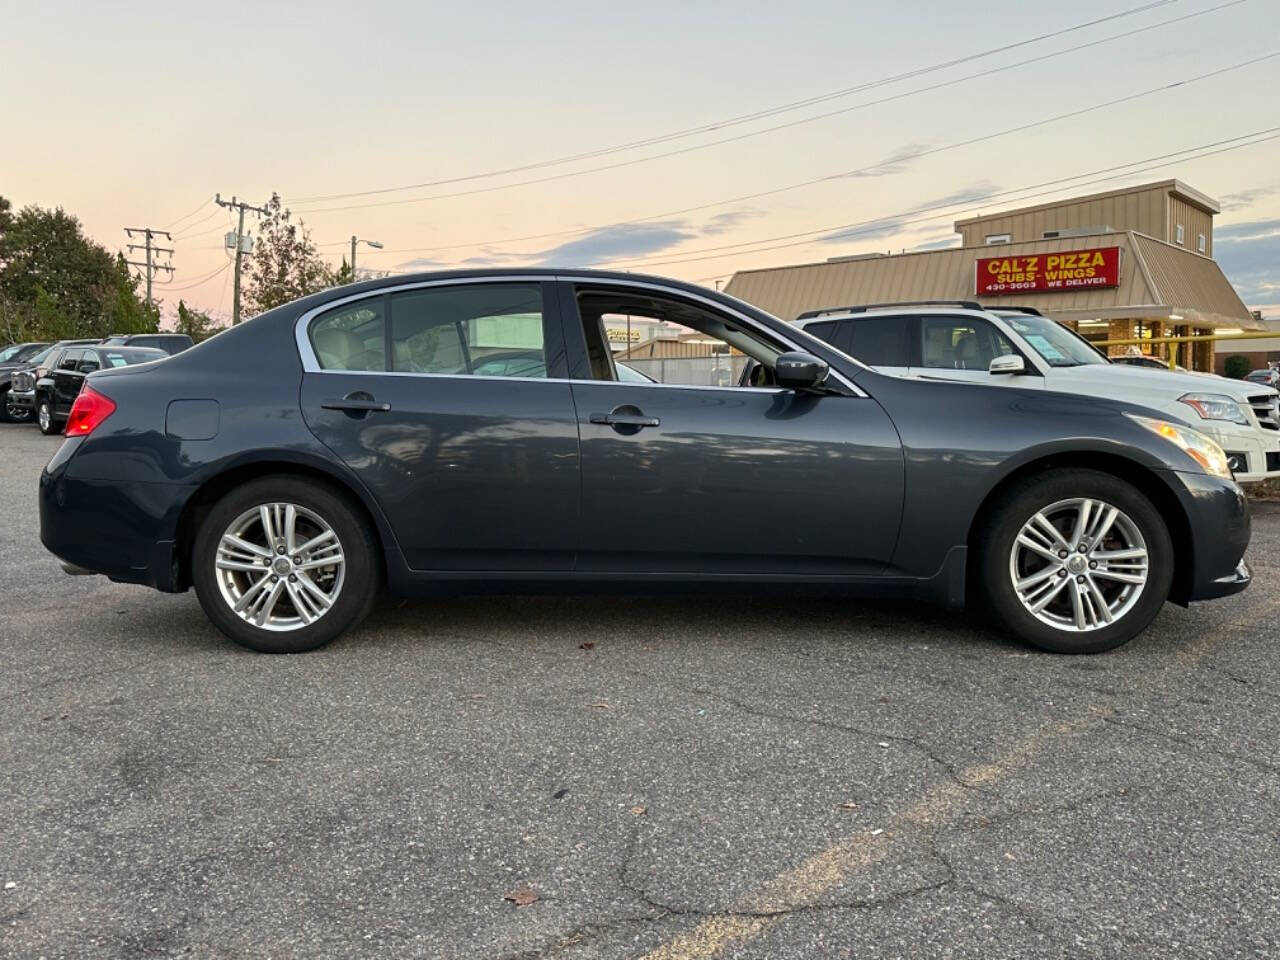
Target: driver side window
pixel 637 338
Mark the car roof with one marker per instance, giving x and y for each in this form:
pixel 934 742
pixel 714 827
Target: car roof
pixel 131 351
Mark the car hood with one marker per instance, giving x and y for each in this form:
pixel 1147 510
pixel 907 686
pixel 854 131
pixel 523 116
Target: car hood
pixel 1105 379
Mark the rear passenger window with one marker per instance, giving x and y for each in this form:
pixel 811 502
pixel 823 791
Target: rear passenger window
pixel 823 330
pixel 491 329
pixel 961 343
pixel 352 337
pixel 878 341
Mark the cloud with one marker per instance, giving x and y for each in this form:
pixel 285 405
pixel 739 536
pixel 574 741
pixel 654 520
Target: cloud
pixel 942 243
pixel 616 242
pixel 897 162
pixel 724 222
pixel 1247 198
pixel 892 226
pixel 421 263
pixel 1248 230
pixel 1249 254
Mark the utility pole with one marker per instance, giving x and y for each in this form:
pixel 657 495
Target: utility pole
pixel 354 240
pixel 240 246
pixel 149 266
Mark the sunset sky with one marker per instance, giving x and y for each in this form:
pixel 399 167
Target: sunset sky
pixel 133 115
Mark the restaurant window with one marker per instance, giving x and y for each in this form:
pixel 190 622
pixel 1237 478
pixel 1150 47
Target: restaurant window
pixel 994 238
pixel 1200 242
pixel 1182 235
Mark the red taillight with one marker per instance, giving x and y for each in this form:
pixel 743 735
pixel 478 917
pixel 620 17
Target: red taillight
pixel 89 410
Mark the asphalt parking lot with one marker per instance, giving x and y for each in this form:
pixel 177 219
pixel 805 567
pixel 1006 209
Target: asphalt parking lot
pixel 671 778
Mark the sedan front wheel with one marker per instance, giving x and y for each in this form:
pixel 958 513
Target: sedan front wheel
pixel 1075 561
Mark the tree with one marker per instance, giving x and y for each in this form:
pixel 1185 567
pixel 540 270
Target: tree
pixel 196 324
pixel 56 282
pixel 284 264
pixel 1236 367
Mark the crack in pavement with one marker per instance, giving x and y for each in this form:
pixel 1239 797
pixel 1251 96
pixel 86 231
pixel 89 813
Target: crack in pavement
pixel 952 771
pixel 1196 746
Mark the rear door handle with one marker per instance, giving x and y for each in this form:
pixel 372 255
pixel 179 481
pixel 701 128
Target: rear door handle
pixel 625 420
pixel 353 405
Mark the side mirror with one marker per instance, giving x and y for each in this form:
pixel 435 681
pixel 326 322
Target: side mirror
pixel 1008 364
pixel 797 370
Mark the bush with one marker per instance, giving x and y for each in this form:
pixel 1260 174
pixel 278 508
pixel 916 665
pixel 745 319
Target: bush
pixel 1236 367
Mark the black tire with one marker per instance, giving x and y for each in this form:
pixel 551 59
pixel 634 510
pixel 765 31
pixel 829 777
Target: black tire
pixel 362 575
pixel 5 415
pixel 995 543
pixel 45 420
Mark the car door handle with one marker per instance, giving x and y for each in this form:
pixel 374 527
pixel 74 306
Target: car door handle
pixel 353 405
pixel 636 420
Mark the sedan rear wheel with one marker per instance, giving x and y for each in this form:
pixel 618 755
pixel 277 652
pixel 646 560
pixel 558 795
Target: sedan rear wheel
pixel 284 565
pixel 1075 561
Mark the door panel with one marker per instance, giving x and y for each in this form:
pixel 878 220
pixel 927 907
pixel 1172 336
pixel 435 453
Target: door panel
pixel 735 480
pixel 474 473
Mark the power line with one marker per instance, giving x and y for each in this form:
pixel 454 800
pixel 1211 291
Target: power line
pixel 205 279
pixel 757 115
pixel 845 174
pixel 188 215
pixel 756 133
pixel 148 266
pixel 184 233
pixel 1006 193
pixel 849 231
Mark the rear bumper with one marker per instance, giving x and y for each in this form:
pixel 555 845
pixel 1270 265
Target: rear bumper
pixel 125 531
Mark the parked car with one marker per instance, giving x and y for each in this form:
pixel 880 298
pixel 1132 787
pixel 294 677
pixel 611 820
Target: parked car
pixel 12 358
pixel 21 404
pixel 1018 347
pixel 1149 363
pixel 283 470
pixel 1267 376
pixel 56 393
pixel 170 343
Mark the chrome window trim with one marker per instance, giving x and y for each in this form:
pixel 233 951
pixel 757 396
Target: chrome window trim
pixel 310 364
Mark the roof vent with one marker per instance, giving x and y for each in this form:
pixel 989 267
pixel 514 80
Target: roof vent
pixel 1076 232
pixel 856 256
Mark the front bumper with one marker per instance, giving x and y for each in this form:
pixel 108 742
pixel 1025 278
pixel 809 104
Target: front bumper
pixel 1217 514
pixel 1254 452
pixel 26 399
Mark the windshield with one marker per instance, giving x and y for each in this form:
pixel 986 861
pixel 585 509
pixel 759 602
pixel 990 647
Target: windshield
pixel 8 353
pixel 40 357
pixel 1058 346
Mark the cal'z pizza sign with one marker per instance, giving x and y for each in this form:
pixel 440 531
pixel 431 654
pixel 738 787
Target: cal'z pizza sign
pixel 1049 272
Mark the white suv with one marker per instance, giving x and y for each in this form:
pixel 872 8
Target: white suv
pixel 958 340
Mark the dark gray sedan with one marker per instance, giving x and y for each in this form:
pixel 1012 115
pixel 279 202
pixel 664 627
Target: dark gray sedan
pixel 471 430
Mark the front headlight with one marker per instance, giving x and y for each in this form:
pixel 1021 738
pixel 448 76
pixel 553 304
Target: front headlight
pixel 1215 406
pixel 1203 450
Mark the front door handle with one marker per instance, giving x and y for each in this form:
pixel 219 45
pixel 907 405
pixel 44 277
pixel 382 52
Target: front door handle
pixel 627 420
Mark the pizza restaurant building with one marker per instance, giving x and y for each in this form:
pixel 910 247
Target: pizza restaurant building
pixel 1133 263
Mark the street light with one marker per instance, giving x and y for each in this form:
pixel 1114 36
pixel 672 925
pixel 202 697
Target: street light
pixel 354 240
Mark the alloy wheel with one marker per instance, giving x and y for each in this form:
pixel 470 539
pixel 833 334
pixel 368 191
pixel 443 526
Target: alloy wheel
pixel 45 416
pixel 280 566
pixel 1079 565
